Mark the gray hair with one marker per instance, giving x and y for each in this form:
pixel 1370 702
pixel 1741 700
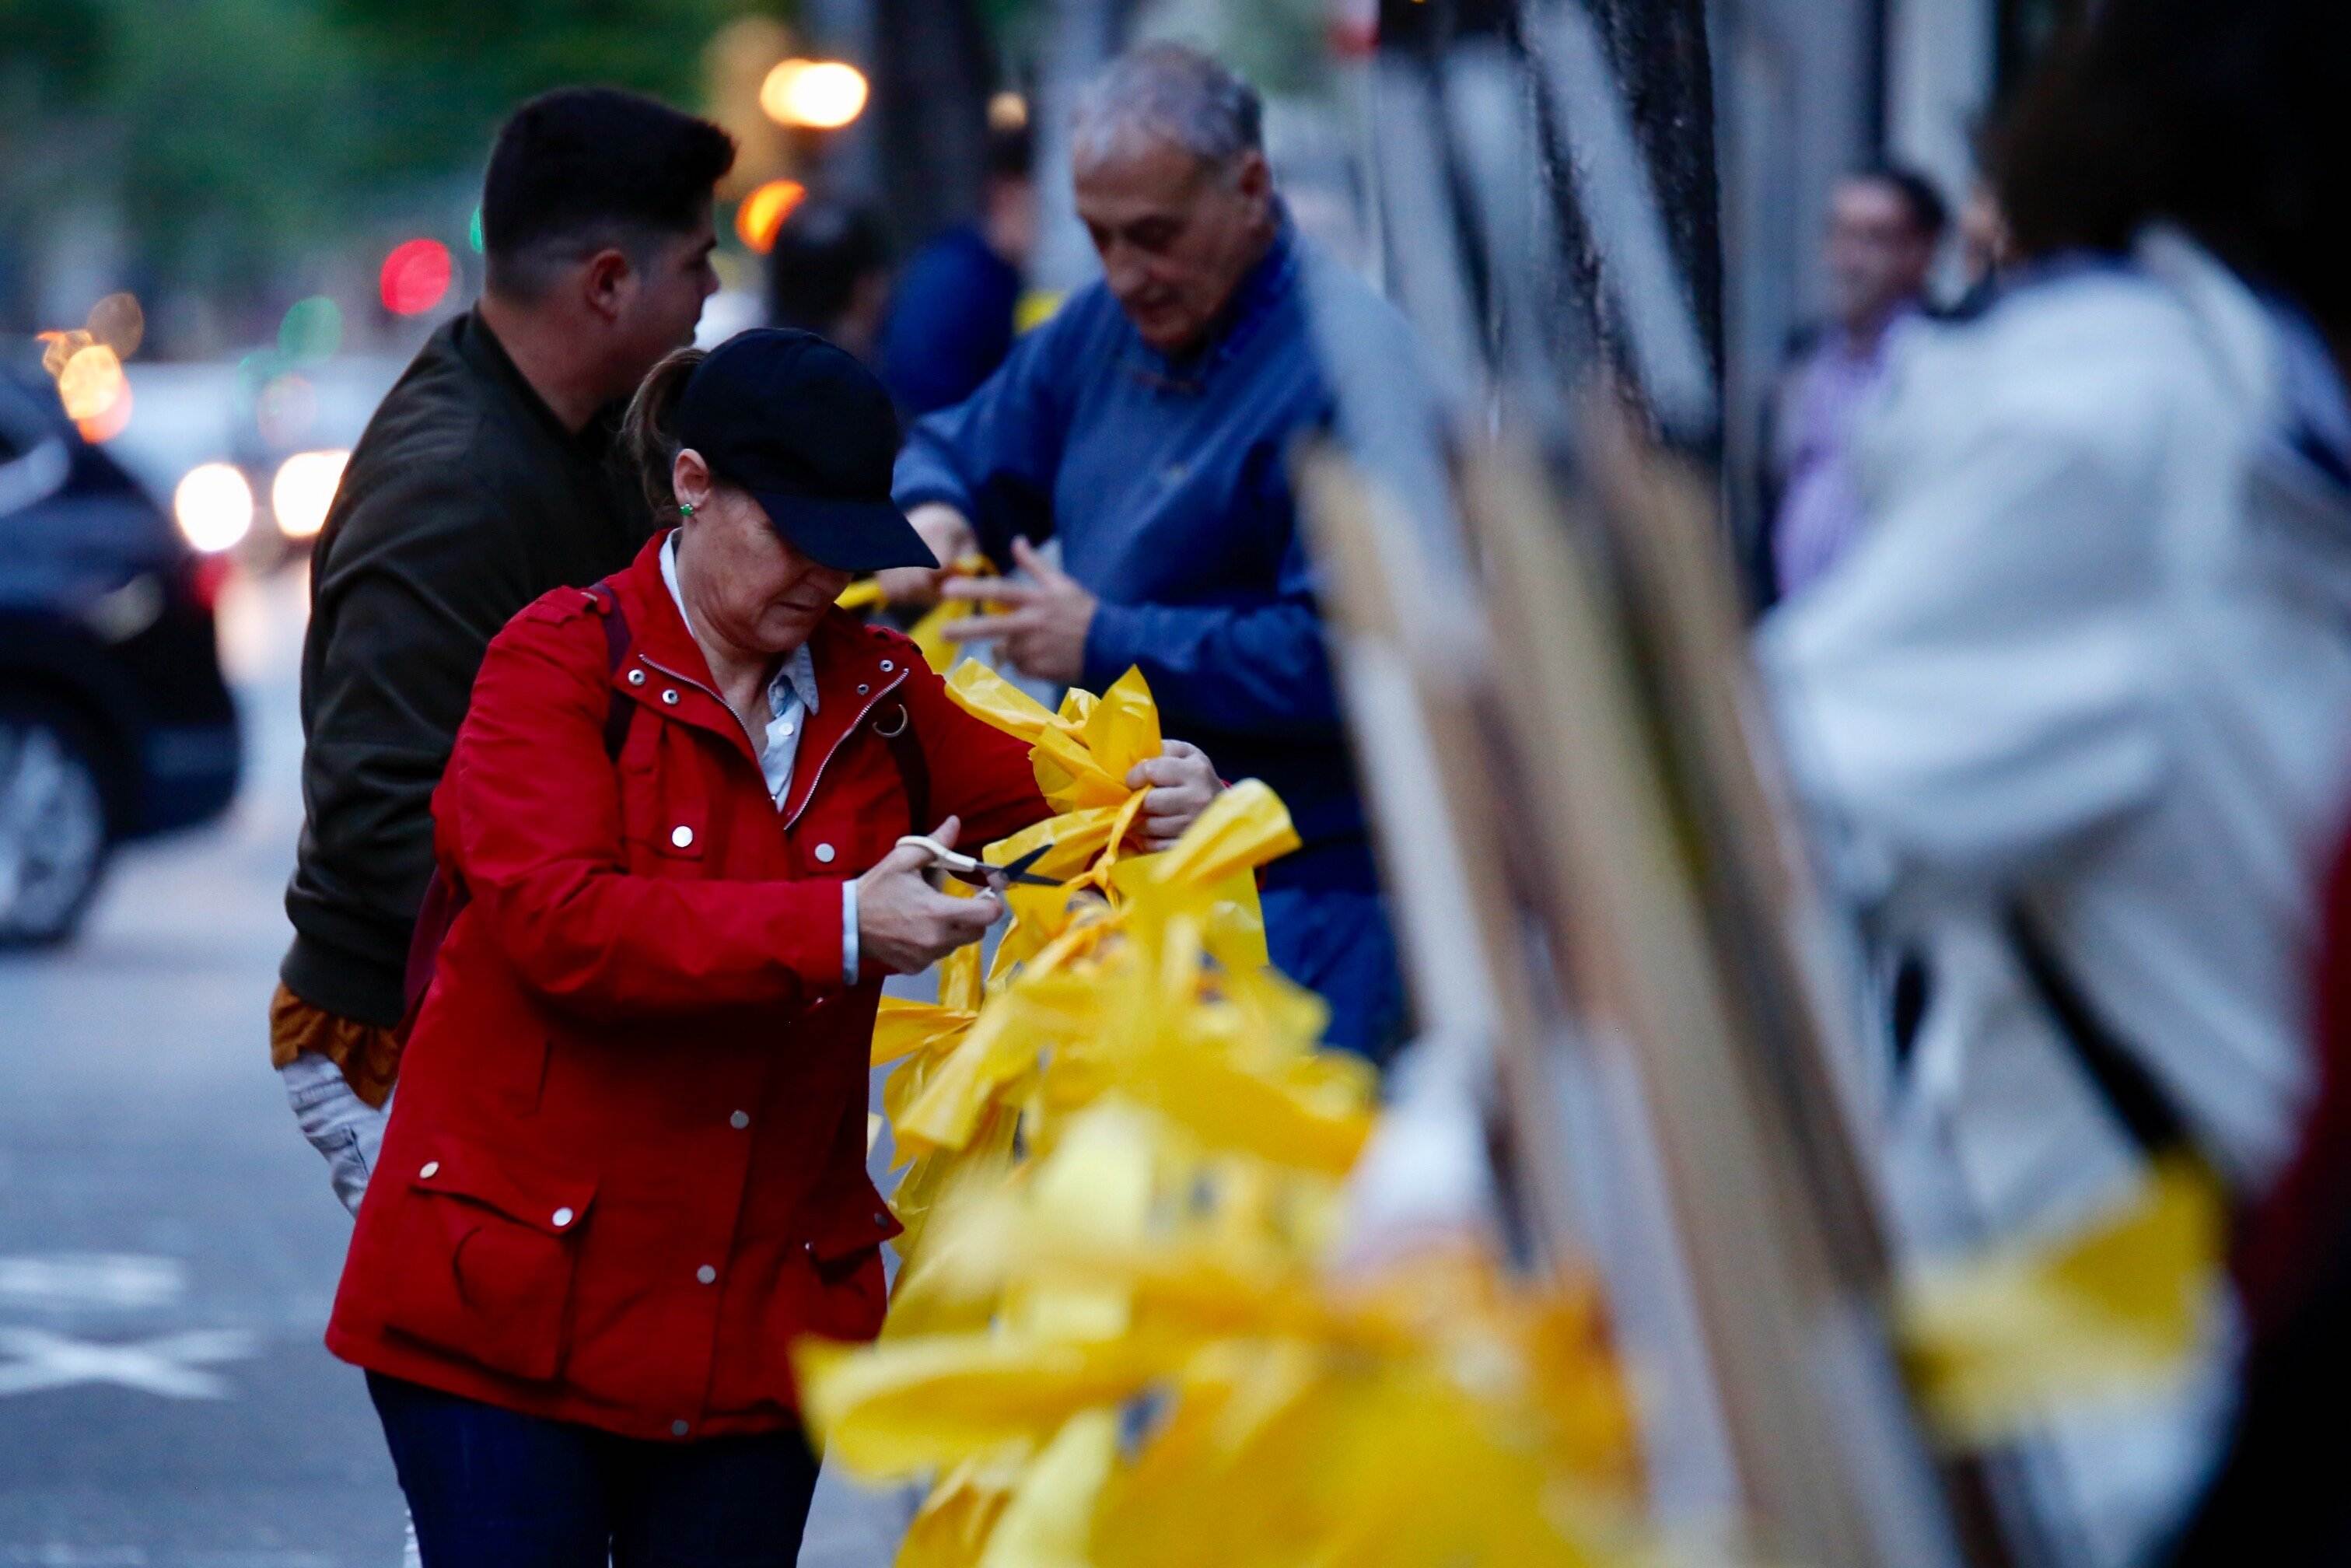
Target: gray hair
pixel 1168 92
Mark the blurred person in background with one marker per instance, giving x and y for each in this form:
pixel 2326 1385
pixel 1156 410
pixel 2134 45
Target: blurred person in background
pixel 1885 228
pixel 829 273
pixel 952 313
pixel 1148 427
pixel 2076 713
pixel 482 482
pixel 1986 250
pixel 626 1166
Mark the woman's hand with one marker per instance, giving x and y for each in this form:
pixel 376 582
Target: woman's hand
pixel 903 924
pixel 1182 782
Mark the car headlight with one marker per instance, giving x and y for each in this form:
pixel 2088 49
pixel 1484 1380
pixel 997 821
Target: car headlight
pixel 304 489
pixel 214 505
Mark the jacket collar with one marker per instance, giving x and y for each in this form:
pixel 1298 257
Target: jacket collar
pixel 479 347
pixel 855 671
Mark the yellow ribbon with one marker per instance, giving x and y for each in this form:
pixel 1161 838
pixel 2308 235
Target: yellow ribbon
pixel 928 634
pixel 1995 1345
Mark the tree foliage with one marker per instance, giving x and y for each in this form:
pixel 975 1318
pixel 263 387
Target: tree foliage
pixel 229 135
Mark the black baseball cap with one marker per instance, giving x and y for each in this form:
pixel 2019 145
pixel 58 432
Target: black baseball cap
pixel 810 434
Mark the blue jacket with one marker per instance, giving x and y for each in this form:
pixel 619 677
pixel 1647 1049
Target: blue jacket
pixel 1168 485
pixel 950 321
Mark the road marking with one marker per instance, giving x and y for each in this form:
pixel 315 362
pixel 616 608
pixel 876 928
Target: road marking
pixel 130 1280
pixel 170 1366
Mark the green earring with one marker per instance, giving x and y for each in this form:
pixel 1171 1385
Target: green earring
pixel 685 508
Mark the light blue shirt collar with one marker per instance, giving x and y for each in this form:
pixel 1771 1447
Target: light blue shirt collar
pixel 791 694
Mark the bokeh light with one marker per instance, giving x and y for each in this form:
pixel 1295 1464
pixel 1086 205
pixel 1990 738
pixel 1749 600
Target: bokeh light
pixel 474 230
pixel 57 348
pixel 117 323
pixel 90 383
pixel 815 95
pixel 763 212
pixel 416 276
pixel 1007 111
pixel 105 426
pixel 303 491
pixel 214 505
pixel 311 332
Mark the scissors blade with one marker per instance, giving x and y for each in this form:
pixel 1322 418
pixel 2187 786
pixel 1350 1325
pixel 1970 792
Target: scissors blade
pixel 1016 871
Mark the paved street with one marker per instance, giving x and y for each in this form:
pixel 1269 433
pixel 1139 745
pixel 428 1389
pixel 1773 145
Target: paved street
pixel 168 1244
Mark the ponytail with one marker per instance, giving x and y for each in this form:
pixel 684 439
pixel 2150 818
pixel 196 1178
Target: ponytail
pixel 649 431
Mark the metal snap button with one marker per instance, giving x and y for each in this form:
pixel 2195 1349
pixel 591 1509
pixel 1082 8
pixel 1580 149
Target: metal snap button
pixel 707 1274
pixel 739 1120
pixel 680 1428
pixel 669 695
pixel 636 677
pixel 682 836
pixel 560 1218
pixel 881 1220
pixel 432 1168
pixel 887 666
pixel 862 688
pixel 824 855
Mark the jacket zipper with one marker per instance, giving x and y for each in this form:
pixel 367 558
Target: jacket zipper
pixel 826 760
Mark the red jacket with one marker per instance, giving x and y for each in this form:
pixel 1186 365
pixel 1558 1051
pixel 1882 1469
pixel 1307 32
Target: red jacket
pixel 626 1162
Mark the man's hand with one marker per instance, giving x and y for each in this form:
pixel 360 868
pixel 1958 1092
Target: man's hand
pixel 1043 631
pixel 948 533
pixel 1183 782
pixel 903 924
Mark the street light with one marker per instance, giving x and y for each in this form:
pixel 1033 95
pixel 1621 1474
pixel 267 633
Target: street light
pixel 814 95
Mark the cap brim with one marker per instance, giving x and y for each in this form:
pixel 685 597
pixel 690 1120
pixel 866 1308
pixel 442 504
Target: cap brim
pixel 847 536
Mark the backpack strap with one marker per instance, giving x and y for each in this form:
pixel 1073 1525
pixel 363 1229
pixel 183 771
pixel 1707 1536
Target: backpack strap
pixel 914 765
pixel 616 653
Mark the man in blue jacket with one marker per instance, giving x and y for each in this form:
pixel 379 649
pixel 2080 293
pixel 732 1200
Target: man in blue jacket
pixel 1149 426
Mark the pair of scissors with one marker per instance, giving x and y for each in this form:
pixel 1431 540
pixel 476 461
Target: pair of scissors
pixel 970 869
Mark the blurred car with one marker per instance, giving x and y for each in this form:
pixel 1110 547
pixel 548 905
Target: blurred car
pixel 115 723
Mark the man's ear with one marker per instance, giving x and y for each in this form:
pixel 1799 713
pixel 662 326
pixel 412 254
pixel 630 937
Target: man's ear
pixel 1254 180
pixel 607 281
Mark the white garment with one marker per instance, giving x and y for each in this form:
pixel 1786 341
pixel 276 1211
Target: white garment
pixel 345 1129
pixel 2095 652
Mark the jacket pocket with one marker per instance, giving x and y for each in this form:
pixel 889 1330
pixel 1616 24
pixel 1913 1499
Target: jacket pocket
pixel 491 1248
pixel 849 1295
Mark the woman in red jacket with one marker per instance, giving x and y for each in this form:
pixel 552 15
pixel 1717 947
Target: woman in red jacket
pixel 626 1167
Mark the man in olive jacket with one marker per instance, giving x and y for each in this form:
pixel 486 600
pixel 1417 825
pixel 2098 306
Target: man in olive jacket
pixel 481 483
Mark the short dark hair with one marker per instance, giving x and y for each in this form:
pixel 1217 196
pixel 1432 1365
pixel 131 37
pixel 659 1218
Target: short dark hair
pixel 2233 121
pixel 821 251
pixel 582 168
pixel 1929 213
